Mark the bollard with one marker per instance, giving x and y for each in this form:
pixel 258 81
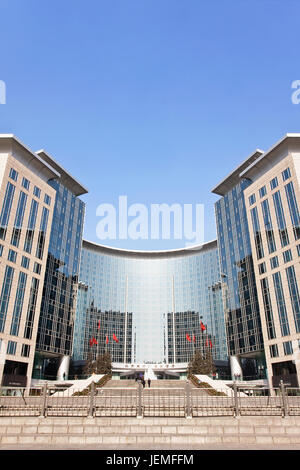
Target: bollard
pixel 139 401
pixel 236 400
pixel 284 400
pixel 188 409
pixel 92 394
pixel 44 401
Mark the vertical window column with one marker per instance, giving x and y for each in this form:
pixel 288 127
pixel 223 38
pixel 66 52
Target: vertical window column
pixel 294 295
pixel 257 233
pixel 19 219
pixel 31 308
pixel 5 295
pixel 14 329
pixel 284 238
pixel 42 234
pixel 31 226
pixel 293 207
pixel 268 308
pixel 6 208
pixel 268 226
pixel 283 319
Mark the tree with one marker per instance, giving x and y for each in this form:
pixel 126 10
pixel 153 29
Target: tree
pixel 201 365
pixel 103 364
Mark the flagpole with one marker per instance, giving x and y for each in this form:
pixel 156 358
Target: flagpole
pixel 173 308
pixel 126 299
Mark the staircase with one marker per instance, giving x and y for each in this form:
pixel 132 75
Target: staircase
pixel 162 384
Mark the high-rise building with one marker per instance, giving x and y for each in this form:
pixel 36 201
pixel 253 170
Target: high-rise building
pixel 242 313
pixel 272 205
pixel 57 315
pixel 153 302
pixel 26 212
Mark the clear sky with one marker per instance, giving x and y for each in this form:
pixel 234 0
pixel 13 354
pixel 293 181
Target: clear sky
pixel 154 99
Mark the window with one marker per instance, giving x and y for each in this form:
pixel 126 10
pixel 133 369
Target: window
pixel 47 199
pixel 37 192
pixel 25 183
pixel 284 238
pixel 25 350
pixel 11 347
pixel 252 199
pixel 287 256
pixel 293 208
pixel 5 212
pixel 257 233
pixel 286 174
pixel 274 262
pixel 5 295
pixel 15 323
pixel 15 238
pixel 262 268
pixel 262 191
pixel 298 250
pixel 13 174
pixel 268 308
pixel 274 350
pixel 268 226
pixel 25 262
pixel 37 268
pixel 294 295
pixel 274 183
pixel 283 318
pixel 1 250
pixel 12 256
pixel 287 348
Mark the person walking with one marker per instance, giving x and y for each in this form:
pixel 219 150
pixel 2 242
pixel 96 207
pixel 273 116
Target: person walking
pixel 149 383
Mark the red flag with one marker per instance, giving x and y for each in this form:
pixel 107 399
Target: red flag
pixel 210 343
pixel 206 342
pixel 106 339
pixel 91 342
pixel 115 338
pixel 188 338
pixel 194 339
pixel 99 325
pixel 94 341
pixel 202 326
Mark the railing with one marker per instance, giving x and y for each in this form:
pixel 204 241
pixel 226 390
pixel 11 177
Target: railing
pixel 139 402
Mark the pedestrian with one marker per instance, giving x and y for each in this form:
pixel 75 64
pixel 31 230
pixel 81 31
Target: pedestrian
pixel 149 383
pixel 144 383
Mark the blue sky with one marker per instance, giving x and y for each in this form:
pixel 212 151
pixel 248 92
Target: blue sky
pixel 157 100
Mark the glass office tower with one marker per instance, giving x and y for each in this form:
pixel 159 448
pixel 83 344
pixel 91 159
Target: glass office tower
pixel 243 324
pixel 56 323
pixel 153 303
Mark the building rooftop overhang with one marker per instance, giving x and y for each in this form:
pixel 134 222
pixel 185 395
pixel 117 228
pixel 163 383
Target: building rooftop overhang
pixel 234 177
pixel 13 145
pixel 286 143
pixel 179 252
pixel 65 178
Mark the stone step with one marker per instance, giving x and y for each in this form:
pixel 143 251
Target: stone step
pixel 147 439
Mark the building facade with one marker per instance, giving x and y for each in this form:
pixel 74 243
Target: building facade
pixel 26 213
pixel 272 205
pixel 153 303
pixel 242 313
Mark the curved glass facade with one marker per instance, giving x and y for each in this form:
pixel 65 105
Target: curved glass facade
pixel 147 307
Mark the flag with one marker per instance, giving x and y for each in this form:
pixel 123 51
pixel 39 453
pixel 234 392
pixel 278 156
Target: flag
pixel 106 339
pixel 188 337
pixel 210 343
pixel 194 339
pixel 202 326
pixel 206 342
pixel 115 338
pixel 93 341
pixel 99 325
